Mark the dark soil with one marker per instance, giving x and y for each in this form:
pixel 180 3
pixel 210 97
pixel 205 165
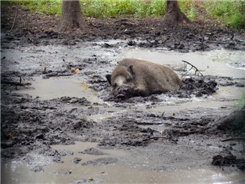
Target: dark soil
pixel 39 29
pixel 31 125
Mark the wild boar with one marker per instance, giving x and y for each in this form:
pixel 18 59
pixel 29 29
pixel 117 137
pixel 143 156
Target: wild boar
pixel 134 77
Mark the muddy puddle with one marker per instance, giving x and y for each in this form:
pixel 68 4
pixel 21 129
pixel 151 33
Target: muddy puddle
pixel 221 63
pixel 47 89
pixel 49 70
pixel 217 62
pixel 78 167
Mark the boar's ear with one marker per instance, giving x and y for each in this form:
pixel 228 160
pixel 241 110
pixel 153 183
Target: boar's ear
pixel 130 69
pixel 108 77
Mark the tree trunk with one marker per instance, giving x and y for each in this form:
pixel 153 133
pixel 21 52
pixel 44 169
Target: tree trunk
pixel 71 15
pixel 173 15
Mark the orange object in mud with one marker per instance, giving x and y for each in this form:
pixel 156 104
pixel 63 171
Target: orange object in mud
pixel 75 70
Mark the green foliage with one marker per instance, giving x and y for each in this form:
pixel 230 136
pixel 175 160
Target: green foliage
pixel 108 8
pixel 192 13
pixel 155 8
pixel 122 8
pixel 230 11
pixel 188 7
pixel 53 7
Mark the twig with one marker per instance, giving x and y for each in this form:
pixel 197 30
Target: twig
pixel 192 66
pixel 144 123
pixel 160 137
pixel 234 138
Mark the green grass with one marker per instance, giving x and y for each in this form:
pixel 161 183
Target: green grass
pixel 133 8
pixel 108 8
pixel 126 8
pixel 188 8
pixel 231 12
pixel 52 7
pixel 113 8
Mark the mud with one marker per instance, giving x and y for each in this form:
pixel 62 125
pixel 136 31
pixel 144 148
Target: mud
pixel 45 106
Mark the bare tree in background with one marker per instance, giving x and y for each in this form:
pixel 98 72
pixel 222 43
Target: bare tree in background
pixel 173 14
pixel 71 15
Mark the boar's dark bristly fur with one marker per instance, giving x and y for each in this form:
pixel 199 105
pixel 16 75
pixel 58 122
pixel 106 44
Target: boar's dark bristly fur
pixel 142 78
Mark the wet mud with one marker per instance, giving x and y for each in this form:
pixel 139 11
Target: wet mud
pixel 45 104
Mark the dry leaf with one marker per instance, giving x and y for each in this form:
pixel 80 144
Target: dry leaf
pixel 75 70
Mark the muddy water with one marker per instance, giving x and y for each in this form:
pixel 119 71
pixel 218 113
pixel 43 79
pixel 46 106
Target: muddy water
pixel 217 62
pixel 47 89
pixel 222 63
pixel 18 173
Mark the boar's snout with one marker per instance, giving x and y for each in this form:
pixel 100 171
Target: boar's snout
pixel 123 92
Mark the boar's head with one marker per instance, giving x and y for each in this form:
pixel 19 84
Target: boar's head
pixel 122 81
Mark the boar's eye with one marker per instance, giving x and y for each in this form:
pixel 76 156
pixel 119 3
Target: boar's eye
pixel 114 85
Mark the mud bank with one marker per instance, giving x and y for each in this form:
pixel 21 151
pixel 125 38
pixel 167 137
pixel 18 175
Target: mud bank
pixel 65 127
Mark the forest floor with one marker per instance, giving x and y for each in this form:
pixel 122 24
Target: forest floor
pixel 195 138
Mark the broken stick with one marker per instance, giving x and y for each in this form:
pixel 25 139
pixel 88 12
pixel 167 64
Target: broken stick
pixel 15 83
pixel 234 138
pixel 197 72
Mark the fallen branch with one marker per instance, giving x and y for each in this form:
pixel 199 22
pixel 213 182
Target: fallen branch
pixel 233 139
pixel 15 83
pixel 146 123
pixel 197 72
pixel 12 83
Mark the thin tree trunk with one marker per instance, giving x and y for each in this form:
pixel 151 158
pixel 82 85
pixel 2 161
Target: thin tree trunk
pixel 173 15
pixel 71 15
